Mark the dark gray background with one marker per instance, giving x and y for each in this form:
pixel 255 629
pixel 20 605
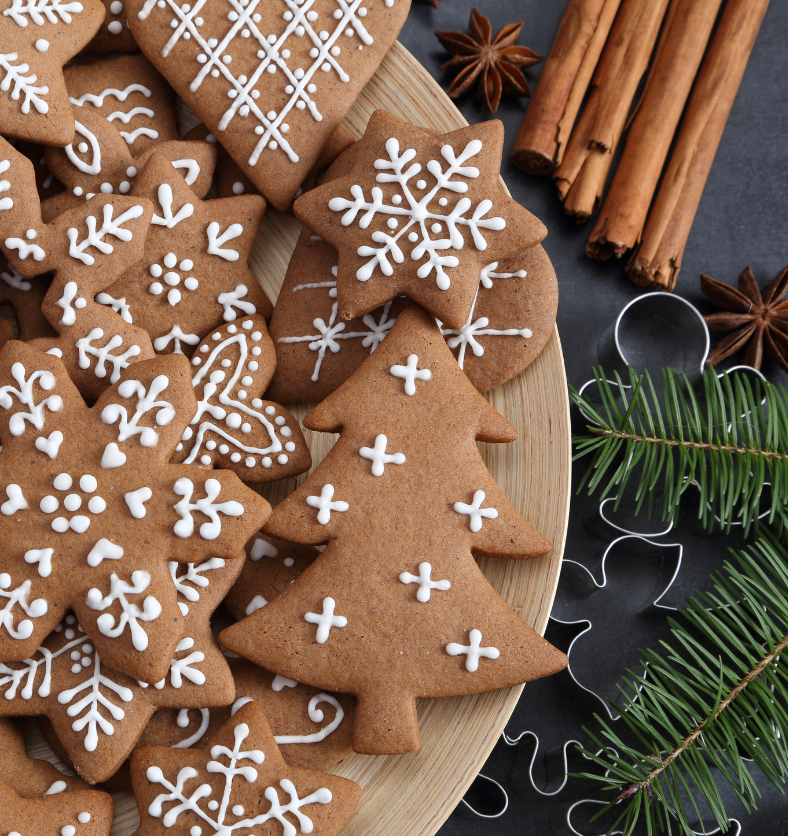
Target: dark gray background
pixel 742 219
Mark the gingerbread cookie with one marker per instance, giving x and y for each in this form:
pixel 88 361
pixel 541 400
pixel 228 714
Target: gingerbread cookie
pixel 433 207
pixel 29 777
pixel 46 183
pixel 98 714
pixel 25 296
pixel 233 428
pixel 101 163
pixel 175 788
pixel 96 488
pixel 114 34
pixel 403 501
pixel 271 80
pixel 130 93
pixel 66 813
pixel 37 39
pixel 194 274
pixel 87 248
pixel 271 566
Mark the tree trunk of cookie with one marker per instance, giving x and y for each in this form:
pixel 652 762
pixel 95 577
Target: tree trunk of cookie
pixel 386 724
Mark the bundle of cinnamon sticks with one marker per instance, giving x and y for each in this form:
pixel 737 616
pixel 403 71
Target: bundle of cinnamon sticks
pixel 583 107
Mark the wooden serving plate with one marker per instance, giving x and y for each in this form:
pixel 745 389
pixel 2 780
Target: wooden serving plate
pixel 412 795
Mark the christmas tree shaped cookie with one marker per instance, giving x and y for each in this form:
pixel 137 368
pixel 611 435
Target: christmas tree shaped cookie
pixel 239 783
pixel 94 512
pixel 419 214
pixel 396 608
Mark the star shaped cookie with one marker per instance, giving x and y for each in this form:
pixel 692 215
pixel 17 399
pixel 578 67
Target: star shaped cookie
pixel 94 512
pixel 97 713
pixel 36 40
pixel 419 215
pixel 194 274
pixel 240 782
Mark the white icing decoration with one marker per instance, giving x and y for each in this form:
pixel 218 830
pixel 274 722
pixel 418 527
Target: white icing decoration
pixel 487 275
pixel 325 504
pixel 234 299
pixel 136 501
pixel 146 402
pixel 257 603
pixel 172 279
pixel 93 167
pixel 176 792
pixel 425 582
pixel 51 445
pixel 23 84
pixel 475 511
pixel 183 721
pixel 15 502
pixel 262 548
pixel 411 373
pixel 215 241
pixel 42 45
pixel 57 787
pixel 329 334
pixel 415 211
pixel 194 574
pixel 43 557
pixel 126 116
pixel 176 336
pixel 104 550
pixel 316 715
pixel 20 595
pixel 325 620
pixel 474 651
pixel 25 248
pixel 113 456
pixel 117 305
pixel 131 136
pixel 169 219
pixel 208 531
pixel 192 170
pixel 119 362
pixel 8 203
pixel 42 11
pixel 70 290
pixel 120 95
pixel 282 682
pixel 46 381
pixel 231 409
pixel 344 29
pixel 180 668
pixel 12 278
pixel 95 238
pixel 379 457
pixel 119 589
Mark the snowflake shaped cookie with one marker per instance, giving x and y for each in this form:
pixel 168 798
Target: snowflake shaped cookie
pixel 271 80
pixel 194 274
pixel 233 427
pixel 97 713
pixel 129 93
pixel 60 811
pixel 99 161
pixel 419 215
pixel 36 38
pixel 94 512
pixel 239 783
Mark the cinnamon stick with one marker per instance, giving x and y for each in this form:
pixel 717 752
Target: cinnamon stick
pixel 540 143
pixel 582 174
pixel 657 261
pixel 623 214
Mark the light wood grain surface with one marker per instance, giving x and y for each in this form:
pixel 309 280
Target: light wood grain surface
pixel 411 795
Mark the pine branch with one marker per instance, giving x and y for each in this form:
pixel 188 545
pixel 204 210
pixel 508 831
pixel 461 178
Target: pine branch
pixel 717 697
pixel 730 438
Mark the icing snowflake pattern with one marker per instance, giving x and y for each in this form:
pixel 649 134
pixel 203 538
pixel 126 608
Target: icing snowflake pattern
pixel 415 213
pixel 93 536
pixel 343 29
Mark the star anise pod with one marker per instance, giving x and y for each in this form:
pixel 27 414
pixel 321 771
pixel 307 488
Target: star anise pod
pixel 752 318
pixel 495 63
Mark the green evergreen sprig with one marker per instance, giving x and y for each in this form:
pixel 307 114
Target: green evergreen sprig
pixel 730 436
pixel 716 695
